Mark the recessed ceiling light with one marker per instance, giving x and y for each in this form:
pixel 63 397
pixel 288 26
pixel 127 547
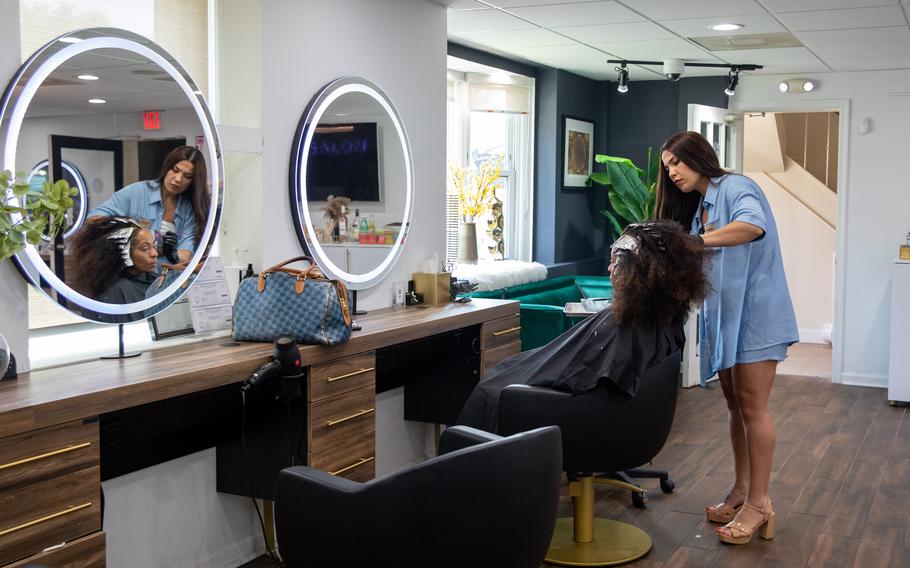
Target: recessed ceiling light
pixel 87 77
pixel 726 27
pixel 71 39
pixel 97 101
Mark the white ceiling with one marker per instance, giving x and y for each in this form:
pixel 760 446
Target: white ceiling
pixel 580 35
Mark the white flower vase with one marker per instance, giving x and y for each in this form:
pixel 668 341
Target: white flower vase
pixel 467 251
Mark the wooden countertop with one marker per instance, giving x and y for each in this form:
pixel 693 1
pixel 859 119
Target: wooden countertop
pixel 51 396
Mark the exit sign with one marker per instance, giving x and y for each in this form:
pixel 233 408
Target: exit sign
pixel 151 120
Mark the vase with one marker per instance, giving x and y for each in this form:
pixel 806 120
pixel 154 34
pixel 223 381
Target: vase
pixel 4 355
pixel 467 250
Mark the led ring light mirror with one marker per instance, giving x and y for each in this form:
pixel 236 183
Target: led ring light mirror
pixel 351 142
pixel 47 105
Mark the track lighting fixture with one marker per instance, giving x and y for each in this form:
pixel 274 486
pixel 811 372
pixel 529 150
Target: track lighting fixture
pixel 732 81
pixel 623 78
pixel 674 69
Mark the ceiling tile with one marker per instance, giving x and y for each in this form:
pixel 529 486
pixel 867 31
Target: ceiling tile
pixel 631 31
pixel 870 63
pixel 560 53
pixel 696 27
pixel 519 38
pixel 854 37
pixel 659 10
pixel 522 3
pixel 465 5
pixel 807 5
pixel 484 21
pixel 578 14
pixel 767 57
pixel 866 50
pixel 657 50
pixel 880 16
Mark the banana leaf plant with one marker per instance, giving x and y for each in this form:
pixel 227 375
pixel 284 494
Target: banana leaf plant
pixel 629 189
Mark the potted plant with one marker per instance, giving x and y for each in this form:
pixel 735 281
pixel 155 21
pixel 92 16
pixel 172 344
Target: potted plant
pixel 26 216
pixel 630 189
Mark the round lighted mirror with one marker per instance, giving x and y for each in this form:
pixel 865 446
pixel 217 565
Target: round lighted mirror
pixel 120 120
pixel 351 148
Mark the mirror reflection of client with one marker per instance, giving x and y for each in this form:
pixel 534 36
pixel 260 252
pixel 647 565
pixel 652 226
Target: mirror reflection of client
pixel 176 203
pixel 657 273
pixel 117 260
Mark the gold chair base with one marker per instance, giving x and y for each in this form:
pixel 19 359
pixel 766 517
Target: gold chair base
pixel 614 543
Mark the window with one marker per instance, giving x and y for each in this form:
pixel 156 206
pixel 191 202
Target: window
pixel 490 114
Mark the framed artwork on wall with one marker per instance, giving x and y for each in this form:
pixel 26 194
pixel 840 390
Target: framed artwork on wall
pixel 577 150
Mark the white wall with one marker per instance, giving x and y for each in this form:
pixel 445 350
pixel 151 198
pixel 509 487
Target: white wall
pixel 874 198
pixel 807 245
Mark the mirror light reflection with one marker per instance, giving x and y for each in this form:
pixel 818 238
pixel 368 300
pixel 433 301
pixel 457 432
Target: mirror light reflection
pixel 146 163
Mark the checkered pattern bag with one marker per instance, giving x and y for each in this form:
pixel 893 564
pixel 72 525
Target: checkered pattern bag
pixel 303 304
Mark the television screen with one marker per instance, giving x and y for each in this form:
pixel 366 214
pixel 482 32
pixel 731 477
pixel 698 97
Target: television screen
pixel 343 161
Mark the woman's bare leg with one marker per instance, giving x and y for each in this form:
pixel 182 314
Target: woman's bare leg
pixel 738 440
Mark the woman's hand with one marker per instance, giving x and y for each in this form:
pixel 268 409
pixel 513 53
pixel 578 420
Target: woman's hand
pixel 735 233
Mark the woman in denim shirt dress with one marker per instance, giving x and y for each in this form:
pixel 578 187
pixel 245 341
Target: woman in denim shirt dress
pixel 747 320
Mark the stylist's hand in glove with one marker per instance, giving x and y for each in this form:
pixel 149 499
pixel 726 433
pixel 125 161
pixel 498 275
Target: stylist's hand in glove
pixel 169 247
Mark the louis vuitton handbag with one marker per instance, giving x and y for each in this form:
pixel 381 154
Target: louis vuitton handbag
pixel 304 304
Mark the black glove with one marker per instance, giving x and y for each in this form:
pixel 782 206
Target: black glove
pixel 169 247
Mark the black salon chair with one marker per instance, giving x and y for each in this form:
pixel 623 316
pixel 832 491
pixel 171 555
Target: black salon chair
pixel 484 501
pixel 601 432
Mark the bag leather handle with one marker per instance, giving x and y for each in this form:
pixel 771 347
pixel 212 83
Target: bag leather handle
pixel 290 261
pixel 311 271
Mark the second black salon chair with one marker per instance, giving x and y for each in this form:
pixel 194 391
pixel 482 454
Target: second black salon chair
pixel 484 501
pixel 603 433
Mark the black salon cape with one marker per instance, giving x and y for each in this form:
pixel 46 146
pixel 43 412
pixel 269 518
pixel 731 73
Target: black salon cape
pixel 576 361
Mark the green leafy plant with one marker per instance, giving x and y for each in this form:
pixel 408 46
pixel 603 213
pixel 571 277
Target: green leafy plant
pixel 27 215
pixel 629 189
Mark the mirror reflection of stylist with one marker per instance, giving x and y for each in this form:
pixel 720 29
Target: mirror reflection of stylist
pixel 117 260
pixel 176 204
pixel 747 321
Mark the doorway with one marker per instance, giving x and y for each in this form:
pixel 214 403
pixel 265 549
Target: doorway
pixel 152 153
pixel 794 157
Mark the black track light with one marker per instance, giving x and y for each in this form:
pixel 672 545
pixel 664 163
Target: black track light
pixel 623 78
pixel 732 81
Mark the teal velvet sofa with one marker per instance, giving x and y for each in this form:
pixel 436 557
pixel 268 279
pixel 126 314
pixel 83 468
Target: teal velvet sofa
pixel 543 302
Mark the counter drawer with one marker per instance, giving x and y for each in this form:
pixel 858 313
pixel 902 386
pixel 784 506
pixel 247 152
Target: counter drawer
pixel 500 331
pixel 341 375
pixel 38 455
pixel 334 420
pixel 87 552
pixel 490 357
pixel 48 513
pixel 354 459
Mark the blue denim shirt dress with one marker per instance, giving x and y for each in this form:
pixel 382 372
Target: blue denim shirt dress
pixel 748 315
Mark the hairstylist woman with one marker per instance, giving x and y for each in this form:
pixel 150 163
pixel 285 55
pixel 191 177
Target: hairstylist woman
pixel 747 320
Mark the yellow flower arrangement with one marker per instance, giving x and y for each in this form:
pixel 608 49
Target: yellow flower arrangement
pixel 476 188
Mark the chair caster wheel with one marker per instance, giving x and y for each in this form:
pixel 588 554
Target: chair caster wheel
pixel 640 499
pixel 667 485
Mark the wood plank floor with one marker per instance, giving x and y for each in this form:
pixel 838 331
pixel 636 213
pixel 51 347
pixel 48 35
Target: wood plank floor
pixel 840 485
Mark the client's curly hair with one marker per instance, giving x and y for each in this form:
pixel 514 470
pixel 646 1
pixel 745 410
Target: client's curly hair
pixel 97 257
pixel 658 282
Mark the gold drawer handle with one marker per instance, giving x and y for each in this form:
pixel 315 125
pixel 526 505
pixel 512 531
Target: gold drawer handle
pixel 359 462
pixel 505 331
pixel 45 519
pixel 331 423
pixel 354 374
pixel 47 455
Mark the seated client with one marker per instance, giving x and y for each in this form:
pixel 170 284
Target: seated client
pixel 117 260
pixel 657 274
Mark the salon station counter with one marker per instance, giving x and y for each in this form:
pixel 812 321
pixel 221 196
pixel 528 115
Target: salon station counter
pixel 63 430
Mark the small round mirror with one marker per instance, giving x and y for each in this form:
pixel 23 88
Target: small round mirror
pixel 352 182
pixel 122 122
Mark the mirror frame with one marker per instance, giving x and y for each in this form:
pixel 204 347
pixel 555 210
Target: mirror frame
pixel 300 211
pixel 18 95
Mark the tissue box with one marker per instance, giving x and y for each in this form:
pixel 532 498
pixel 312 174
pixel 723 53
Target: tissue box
pixel 435 287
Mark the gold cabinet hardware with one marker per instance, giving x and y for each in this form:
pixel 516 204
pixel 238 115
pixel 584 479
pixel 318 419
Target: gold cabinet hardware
pixel 505 331
pixel 351 417
pixel 354 374
pixel 361 461
pixel 67 511
pixel 45 455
